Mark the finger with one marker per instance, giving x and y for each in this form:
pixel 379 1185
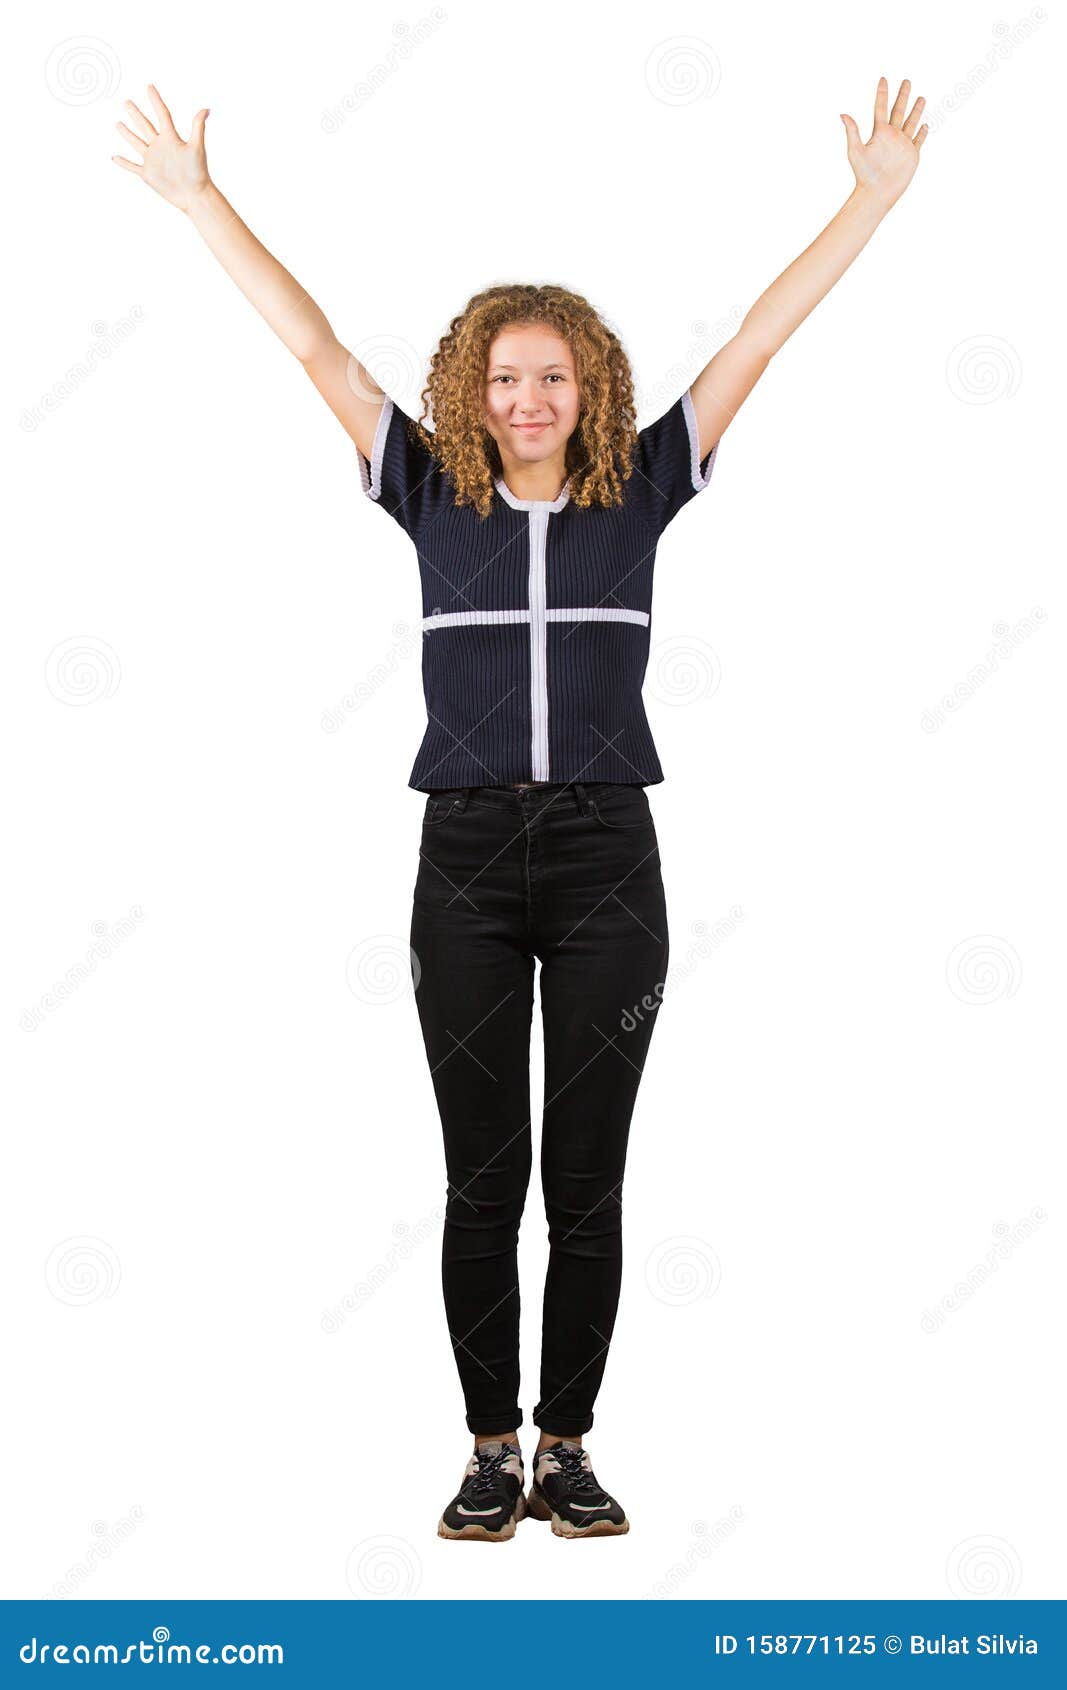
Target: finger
pixel 117 158
pixel 196 133
pixel 914 116
pixel 139 113
pixel 881 101
pixel 161 110
pixel 855 144
pixel 921 136
pixel 135 140
pixel 900 104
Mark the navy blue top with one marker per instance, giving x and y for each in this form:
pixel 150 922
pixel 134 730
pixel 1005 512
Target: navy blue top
pixel 536 618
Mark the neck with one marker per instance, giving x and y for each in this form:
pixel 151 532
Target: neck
pixel 535 481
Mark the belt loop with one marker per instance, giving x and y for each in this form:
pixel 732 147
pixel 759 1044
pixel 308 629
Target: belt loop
pixel 583 801
pixel 461 803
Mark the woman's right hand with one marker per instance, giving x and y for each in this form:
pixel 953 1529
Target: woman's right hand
pixel 176 169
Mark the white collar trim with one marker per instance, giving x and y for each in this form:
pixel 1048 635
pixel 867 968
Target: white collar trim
pixel 532 504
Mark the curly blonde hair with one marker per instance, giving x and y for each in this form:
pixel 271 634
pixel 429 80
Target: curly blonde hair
pixel 599 450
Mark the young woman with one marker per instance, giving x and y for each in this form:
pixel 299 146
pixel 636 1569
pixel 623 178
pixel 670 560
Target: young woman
pixel 535 507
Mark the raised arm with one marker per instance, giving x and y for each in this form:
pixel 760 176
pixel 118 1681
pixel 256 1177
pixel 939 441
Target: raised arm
pixel 177 170
pixel 883 167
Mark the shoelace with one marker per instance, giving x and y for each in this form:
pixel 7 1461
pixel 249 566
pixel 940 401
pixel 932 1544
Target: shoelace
pixel 488 1475
pixel 578 1477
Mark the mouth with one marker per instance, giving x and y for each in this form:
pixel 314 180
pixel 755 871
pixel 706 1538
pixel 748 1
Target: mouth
pixel 529 428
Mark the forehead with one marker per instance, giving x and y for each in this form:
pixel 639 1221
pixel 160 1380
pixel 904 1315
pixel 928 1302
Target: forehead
pixel 530 347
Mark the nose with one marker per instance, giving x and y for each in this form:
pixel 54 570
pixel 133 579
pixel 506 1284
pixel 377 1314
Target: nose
pixel 528 404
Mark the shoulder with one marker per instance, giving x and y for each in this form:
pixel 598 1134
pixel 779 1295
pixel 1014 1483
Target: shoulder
pixel 403 473
pixel 666 470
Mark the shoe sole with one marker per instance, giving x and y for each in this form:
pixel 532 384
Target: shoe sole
pixel 539 1509
pixel 482 1534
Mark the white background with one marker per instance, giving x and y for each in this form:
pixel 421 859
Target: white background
pixel 227 1126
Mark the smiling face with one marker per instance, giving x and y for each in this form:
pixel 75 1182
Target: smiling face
pixel 531 395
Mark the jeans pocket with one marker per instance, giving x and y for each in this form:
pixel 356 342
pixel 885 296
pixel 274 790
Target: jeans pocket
pixel 622 810
pixel 438 810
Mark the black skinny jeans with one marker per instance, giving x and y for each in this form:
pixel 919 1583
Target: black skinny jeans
pixel 569 874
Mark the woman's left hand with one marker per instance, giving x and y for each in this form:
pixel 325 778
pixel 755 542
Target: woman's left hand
pixel 886 163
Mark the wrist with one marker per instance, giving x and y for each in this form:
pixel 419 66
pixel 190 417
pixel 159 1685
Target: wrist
pixel 200 200
pixel 869 203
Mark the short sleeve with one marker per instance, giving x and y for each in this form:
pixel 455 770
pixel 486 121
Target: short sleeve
pixel 666 470
pixel 402 474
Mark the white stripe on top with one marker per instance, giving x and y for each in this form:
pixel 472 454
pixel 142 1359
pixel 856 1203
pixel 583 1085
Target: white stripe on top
pixel 538 616
pixel 592 613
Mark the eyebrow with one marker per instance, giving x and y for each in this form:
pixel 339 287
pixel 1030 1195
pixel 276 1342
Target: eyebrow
pixel 544 367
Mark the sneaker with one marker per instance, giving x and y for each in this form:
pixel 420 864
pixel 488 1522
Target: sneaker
pixel 490 1502
pixel 565 1491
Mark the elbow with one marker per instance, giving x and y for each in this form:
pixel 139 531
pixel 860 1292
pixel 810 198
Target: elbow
pixel 758 347
pixel 312 349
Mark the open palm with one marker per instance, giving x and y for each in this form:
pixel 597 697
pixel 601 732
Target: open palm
pixel 175 168
pixel 888 161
